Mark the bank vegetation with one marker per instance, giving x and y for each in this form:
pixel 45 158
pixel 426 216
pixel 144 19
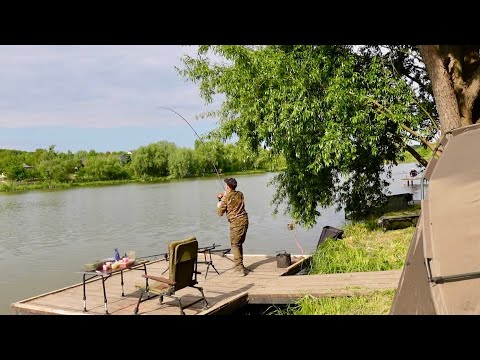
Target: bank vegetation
pixel 160 161
pixel 364 247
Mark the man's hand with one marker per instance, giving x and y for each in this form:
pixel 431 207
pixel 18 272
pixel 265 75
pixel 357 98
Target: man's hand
pixel 220 196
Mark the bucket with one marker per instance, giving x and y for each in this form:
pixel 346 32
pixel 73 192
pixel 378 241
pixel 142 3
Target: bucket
pixel 284 260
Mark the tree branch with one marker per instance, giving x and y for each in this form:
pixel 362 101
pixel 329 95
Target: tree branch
pixel 409 53
pixel 416 155
pixel 432 120
pixel 411 150
pixel 406 128
pixel 422 139
pixel 403 71
pixel 420 84
pixel 418 67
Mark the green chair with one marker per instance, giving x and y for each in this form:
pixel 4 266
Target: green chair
pixel 182 256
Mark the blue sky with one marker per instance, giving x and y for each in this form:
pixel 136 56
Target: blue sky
pixel 96 97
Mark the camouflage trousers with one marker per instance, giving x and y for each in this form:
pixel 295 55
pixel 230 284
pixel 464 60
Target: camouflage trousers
pixel 238 234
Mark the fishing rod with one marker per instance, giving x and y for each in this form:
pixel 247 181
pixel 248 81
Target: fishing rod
pixel 199 138
pixel 163 255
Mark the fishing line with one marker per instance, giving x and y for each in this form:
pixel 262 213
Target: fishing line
pixel 199 138
pixel 293 226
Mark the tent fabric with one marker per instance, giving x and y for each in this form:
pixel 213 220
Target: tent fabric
pixel 446 243
pixel 413 296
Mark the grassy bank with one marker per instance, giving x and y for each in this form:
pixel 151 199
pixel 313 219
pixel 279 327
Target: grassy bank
pixel 43 185
pixel 426 153
pixel 377 303
pixel 21 186
pixel 364 247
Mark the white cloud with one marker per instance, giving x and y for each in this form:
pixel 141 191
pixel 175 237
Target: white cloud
pixel 94 86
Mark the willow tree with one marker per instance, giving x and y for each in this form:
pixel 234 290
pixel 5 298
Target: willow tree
pixel 337 114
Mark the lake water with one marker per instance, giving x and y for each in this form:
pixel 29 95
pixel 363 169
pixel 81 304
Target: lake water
pixel 46 236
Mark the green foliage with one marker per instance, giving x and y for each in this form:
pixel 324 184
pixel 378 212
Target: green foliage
pixel 209 156
pixel 105 167
pixel 180 163
pixel 11 164
pixel 335 116
pixel 15 171
pixel 152 160
pixel 54 167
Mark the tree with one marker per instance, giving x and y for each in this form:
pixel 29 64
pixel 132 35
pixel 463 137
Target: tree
pixel 336 113
pixel 54 167
pixel 454 73
pixel 180 163
pixel 105 167
pixel 208 156
pixel 152 160
pixel 11 164
pixel 15 172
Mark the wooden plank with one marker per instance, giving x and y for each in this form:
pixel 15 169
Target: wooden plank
pixel 265 283
pixel 284 291
pixel 275 299
pixel 227 306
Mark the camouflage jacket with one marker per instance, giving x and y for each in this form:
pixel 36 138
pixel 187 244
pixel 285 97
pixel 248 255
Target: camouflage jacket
pixel 234 205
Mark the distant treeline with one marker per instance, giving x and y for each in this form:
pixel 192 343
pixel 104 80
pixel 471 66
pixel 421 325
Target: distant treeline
pixel 155 161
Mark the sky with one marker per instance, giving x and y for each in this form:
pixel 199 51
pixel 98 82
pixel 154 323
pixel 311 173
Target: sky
pixel 97 97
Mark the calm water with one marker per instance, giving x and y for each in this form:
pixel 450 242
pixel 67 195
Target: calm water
pixel 47 236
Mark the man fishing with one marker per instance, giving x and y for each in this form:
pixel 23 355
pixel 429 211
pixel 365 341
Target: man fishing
pixel 233 203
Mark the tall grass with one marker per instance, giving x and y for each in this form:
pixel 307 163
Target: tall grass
pixel 411 210
pixel 376 303
pixel 362 249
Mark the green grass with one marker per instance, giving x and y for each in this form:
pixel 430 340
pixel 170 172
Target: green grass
pixel 364 247
pixel 376 303
pixel 411 210
pixel 426 153
pixel 44 185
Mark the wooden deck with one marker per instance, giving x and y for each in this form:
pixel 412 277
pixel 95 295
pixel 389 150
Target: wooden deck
pixel 409 181
pixel 224 291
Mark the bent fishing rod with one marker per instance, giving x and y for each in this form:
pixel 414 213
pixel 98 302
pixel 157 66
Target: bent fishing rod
pixel 199 138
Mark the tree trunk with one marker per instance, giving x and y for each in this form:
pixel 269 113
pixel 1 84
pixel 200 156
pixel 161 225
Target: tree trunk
pixel 442 86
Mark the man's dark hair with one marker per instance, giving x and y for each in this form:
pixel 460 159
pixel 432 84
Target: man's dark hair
pixel 231 182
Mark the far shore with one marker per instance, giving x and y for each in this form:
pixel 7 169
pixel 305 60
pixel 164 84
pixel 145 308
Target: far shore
pixel 29 185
